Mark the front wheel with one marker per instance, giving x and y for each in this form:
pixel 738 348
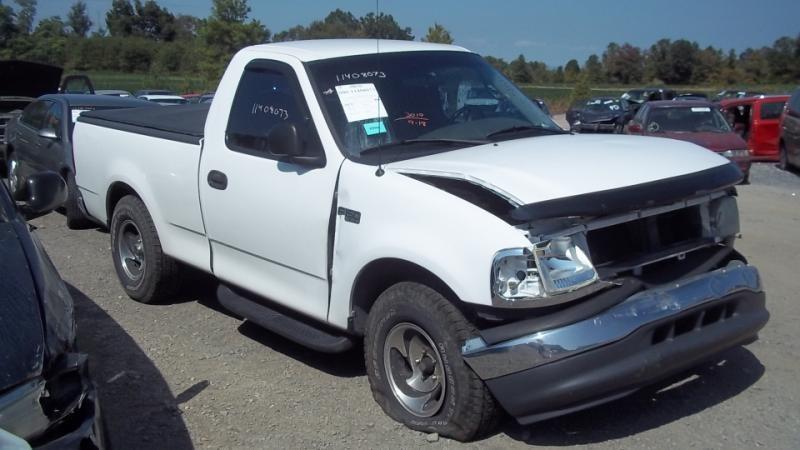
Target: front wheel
pixel 146 273
pixel 413 356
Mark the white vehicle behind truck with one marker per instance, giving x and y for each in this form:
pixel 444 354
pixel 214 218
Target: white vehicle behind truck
pixel 415 198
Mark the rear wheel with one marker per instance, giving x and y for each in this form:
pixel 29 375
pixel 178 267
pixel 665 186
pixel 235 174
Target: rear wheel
pixel 146 273
pixel 76 220
pixel 413 356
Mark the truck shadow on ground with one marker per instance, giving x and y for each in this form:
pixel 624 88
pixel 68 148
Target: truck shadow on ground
pixel 138 408
pixel 346 365
pixel 709 384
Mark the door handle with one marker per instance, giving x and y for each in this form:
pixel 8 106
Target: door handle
pixel 217 180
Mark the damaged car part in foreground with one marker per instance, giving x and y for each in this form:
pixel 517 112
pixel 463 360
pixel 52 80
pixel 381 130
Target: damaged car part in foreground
pixel 46 395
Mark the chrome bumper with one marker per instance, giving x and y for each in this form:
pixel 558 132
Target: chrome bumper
pixel 611 325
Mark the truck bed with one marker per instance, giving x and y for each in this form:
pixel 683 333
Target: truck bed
pixel 182 123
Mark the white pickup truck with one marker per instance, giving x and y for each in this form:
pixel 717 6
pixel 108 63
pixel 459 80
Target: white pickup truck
pixel 410 195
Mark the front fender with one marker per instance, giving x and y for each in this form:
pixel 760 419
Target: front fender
pixel 406 219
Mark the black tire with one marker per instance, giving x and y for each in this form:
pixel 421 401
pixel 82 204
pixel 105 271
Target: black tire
pixel 159 276
pixel 783 158
pixel 467 408
pixel 76 220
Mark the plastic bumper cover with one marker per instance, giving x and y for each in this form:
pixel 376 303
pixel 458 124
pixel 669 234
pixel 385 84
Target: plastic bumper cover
pixel 649 336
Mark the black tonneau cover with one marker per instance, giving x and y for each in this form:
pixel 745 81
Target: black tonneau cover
pixel 182 123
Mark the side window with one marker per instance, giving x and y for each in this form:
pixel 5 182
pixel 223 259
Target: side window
pixel 33 115
pixel 640 115
pixel 268 95
pixel 794 102
pixel 52 119
pixel 771 110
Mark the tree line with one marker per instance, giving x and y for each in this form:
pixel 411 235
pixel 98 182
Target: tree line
pixel 142 36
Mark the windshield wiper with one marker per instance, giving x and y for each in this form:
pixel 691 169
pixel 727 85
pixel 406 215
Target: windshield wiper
pixel 406 142
pixel 518 128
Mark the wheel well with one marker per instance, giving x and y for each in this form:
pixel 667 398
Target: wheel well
pixel 379 275
pixel 115 193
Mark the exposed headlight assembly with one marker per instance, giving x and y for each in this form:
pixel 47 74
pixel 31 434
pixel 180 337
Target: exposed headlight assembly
pixel 549 269
pixel 736 153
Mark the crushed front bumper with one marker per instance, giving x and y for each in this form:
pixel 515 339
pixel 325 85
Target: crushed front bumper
pixel 649 336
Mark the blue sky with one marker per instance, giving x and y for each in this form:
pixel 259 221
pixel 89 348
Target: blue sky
pixel 546 30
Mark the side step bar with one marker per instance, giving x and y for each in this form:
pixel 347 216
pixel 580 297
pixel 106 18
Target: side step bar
pixel 304 331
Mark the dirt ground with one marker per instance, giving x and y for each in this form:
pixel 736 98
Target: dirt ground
pixel 188 374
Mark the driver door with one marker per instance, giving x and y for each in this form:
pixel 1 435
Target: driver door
pixel 267 218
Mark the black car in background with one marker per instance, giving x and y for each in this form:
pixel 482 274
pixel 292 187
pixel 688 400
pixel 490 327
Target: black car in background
pixel 21 82
pixel 599 115
pixel 637 97
pixel 46 396
pixel 789 145
pixel 41 139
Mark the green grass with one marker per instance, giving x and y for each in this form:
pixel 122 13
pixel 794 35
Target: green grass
pixel 136 81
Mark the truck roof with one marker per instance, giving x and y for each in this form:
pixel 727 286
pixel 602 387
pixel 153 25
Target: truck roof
pixel 313 50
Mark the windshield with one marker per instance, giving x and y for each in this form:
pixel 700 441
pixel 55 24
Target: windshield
pixel 440 100
pixel 633 95
pixel 605 105
pixel 695 118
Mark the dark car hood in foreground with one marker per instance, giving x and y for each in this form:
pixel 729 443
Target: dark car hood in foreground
pixel 22 342
pixel 28 79
pixel 717 142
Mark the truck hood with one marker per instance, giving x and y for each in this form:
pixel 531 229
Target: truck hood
pixel 28 79
pixel 538 169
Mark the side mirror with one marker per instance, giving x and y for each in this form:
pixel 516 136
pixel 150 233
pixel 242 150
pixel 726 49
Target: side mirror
pixel 634 127
pixel 42 192
pixel 48 133
pixel 284 140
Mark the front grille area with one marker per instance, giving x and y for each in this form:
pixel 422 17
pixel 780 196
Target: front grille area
pixel 635 240
pixel 694 320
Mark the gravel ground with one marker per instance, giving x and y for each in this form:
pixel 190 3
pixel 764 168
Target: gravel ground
pixel 188 374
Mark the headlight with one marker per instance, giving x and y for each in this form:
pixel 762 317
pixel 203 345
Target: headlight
pixel 736 153
pixel 547 269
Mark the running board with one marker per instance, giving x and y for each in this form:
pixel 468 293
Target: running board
pixel 304 331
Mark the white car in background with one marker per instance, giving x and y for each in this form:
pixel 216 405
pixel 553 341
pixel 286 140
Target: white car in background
pixel 113 92
pixel 165 100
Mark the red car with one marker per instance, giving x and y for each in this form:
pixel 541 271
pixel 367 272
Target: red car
pixel 695 121
pixel 757 120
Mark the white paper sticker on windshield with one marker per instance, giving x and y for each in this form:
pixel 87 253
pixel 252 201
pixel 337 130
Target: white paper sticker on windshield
pixel 360 101
pixel 76 113
pixel 701 109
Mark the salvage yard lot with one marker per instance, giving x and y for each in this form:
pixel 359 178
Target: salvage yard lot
pixel 188 374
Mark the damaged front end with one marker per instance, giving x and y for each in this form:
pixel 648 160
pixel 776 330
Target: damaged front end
pixel 635 285
pixel 655 233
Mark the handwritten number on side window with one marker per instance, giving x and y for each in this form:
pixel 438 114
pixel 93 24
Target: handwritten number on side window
pixel 259 109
